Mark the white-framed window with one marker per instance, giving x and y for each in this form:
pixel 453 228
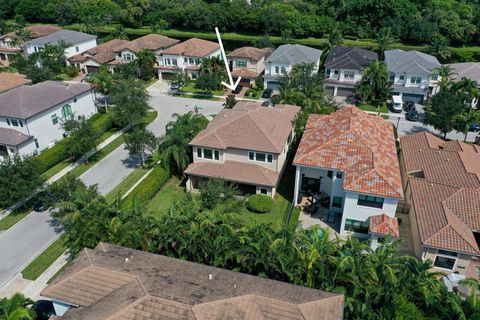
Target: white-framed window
pixel 327 73
pixel 263 190
pixel 402 77
pixel 206 153
pixel 260 156
pixel 392 77
pixel 185 60
pixel 434 77
pixel 174 62
pixel 77 49
pixel 356 226
pixel 348 75
pixel 14 122
pixel 240 63
pixel 277 69
pixel 283 70
pixel 445 259
pixel 370 201
pixel 54 119
pixel 167 61
pixel 415 80
pixel 191 60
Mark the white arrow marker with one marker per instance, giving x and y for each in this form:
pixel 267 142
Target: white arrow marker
pixel 232 85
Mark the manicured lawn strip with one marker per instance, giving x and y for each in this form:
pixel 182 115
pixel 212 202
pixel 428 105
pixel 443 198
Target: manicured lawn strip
pixel 63 77
pixel 190 87
pixel 126 184
pixel 15 216
pixel 55 169
pixel 168 195
pixel 151 115
pixel 148 83
pixel 44 260
pixel 368 107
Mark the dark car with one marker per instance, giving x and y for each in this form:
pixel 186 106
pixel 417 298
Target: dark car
pixel 474 127
pixel 408 105
pixel 44 309
pixel 267 93
pixel 237 89
pixel 412 115
pixel 40 206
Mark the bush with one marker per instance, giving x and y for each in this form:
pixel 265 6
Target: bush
pixel 53 156
pixel 71 71
pixel 147 188
pixel 101 123
pixel 259 203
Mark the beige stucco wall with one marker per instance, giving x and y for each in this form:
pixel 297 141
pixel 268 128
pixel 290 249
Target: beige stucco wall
pixel 257 66
pixel 241 155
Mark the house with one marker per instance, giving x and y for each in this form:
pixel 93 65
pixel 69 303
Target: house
pixel 349 159
pixel 282 60
pixel 9 45
pixel 113 282
pixel 30 116
pixel 469 70
pixel 246 145
pixel 248 63
pixel 10 81
pixel 441 180
pixel 77 42
pixel 187 56
pixel 414 74
pixel 153 42
pixel 344 69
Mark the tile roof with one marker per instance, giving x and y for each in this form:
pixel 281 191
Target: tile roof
pixel 152 42
pixel 359 144
pixel 102 53
pixel 349 58
pixel 252 53
pixel 244 73
pixel 240 172
pixel 410 62
pixel 26 101
pixel 69 36
pixel 37 31
pixel 12 137
pixel 445 187
pixel 112 282
pixel 294 54
pixel 249 126
pixel 193 47
pixel 10 80
pixel 383 225
pixel 469 70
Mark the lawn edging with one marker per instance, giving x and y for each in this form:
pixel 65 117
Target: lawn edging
pixel 45 259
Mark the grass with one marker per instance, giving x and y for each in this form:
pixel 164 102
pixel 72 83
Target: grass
pixel 148 83
pixel 63 77
pixel 253 93
pixel 369 107
pixel 55 169
pixel 190 87
pixel 151 115
pixel 17 215
pixel 44 260
pixel 126 184
pixel 168 195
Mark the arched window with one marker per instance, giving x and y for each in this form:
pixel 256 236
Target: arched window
pixel 66 111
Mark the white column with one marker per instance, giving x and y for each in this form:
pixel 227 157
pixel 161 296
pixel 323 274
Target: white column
pixel 297 185
pixel 335 89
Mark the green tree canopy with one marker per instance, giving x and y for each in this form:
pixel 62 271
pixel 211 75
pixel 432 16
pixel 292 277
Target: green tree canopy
pixel 131 101
pixel 374 87
pixel 139 140
pixel 442 110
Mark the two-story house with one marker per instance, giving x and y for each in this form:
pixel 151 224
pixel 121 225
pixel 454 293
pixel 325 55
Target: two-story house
pixel 9 44
pixel 153 42
pixel 246 145
pixel 441 181
pixel 349 159
pixel 468 70
pixel 247 63
pixel 77 42
pixel 282 60
pixel 414 74
pixel 344 69
pixel 187 56
pixel 30 116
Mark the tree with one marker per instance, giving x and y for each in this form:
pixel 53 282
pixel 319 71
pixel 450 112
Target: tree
pixel 467 87
pixel 463 120
pixel 442 110
pixel 82 138
pixel 179 77
pixel 374 87
pixel 264 42
pixel 215 191
pixel 19 178
pixel 130 99
pixel 445 73
pixel 230 101
pixel 119 33
pixel 102 81
pixel 173 146
pixel 139 140
pixel 145 64
pixel 17 307
pixel 212 73
pixel 384 40
pixel 439 48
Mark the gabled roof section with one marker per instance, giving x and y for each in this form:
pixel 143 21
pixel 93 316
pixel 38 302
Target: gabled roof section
pixel 353 58
pixel 12 137
pixel 152 42
pixel 193 47
pixel 102 53
pixel 251 53
pixel 249 126
pixel 469 70
pixel 294 54
pixel 37 31
pixel 410 62
pixel 69 36
pixel 10 80
pixel 384 225
pixel 360 145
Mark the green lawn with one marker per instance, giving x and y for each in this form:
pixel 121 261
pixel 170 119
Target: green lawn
pixel 368 107
pixel 151 115
pixel 253 93
pixel 190 87
pixel 168 195
pixel 16 216
pixel 63 77
pixel 55 169
pixel 44 260
pixel 126 184
pixel 148 83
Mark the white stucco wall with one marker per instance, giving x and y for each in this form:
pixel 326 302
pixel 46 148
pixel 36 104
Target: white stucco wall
pixel 330 73
pixel 70 51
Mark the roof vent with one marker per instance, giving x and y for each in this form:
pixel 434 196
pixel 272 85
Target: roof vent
pixel 210 276
pixel 126 259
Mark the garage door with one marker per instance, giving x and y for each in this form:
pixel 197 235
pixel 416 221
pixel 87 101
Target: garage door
pixel 167 76
pixel 417 98
pixel 345 92
pixel 274 85
pixel 329 91
pixel 243 82
pixel 92 69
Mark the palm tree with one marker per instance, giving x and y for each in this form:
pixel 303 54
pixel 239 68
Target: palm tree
pixel 102 81
pixel 212 65
pixel 439 48
pixel 467 87
pixel 374 86
pixel 384 40
pixel 16 308
pixel 465 119
pixel 145 64
pixel 119 33
pixel 445 73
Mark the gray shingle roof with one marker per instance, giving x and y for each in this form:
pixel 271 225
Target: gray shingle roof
pixel 69 36
pixel 11 137
pixel 26 101
pixel 469 70
pixel 294 54
pixel 410 62
pixel 353 58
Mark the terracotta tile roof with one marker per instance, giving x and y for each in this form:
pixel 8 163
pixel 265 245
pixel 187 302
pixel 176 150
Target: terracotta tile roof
pixel 240 172
pixel 37 31
pixel 252 53
pixel 152 42
pixel 112 282
pixel 249 126
pixel 244 73
pixel 193 48
pixel 360 145
pixel 10 80
pixel 382 224
pixel 12 137
pixel 102 53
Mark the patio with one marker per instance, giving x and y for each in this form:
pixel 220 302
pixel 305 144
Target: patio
pixel 322 217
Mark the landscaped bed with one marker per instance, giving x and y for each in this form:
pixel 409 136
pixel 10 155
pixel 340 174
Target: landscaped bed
pixel 369 107
pixel 44 260
pixel 190 87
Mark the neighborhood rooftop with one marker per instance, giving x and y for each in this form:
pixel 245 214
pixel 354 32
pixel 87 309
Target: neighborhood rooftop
pixel 11 137
pixel 410 62
pixel 112 282
pixel 294 54
pixel 469 70
pixel 361 145
pixel 341 57
pixel 68 36
pixel 193 47
pixel 26 101
pixel 102 53
pixel 10 80
pixel 252 53
pixel 152 42
pixel 36 31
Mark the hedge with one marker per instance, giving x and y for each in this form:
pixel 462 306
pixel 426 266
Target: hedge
pixel 146 189
pixel 259 203
pixel 101 123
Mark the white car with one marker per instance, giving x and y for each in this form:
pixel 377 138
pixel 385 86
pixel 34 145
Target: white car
pixel 397 104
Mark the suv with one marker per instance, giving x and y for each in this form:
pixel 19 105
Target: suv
pixel 411 115
pixel 267 93
pixel 396 104
pixel 474 127
pixel 408 105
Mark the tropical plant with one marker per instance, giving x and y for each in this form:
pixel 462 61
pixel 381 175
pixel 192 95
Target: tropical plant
pixel 17 307
pixel 439 48
pixel 139 140
pixel 384 40
pixel 212 73
pixel 374 86
pixel 230 101
pixel 463 120
pixel 82 137
pixel 215 191
pixel 445 73
pixel 130 99
pixel 467 87
pixel 179 77
pixel 102 81
pixel 145 64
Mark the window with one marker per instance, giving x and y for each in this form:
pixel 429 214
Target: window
pixel 415 80
pixel 251 155
pixel 194 75
pixel 335 71
pixel 445 259
pixel 208 153
pixel 434 77
pixel 260 156
pixel 8 122
pixel 269 158
pixel 339 174
pixel 402 77
pixel 241 64
pixel 77 49
pixel 349 75
pixel 216 154
pixel 191 60
pixel 327 73
pixel 277 69
pixel 14 122
pixel 75 100
pixel 284 71
pixel 356 226
pixel 66 111
pixel 199 152
pixel 54 119
pixel 167 61
pixel 185 60
pixel 370 201
pixel 263 191
pixel 337 202
pixel 36 143
pixel 21 123
pixel 330 174
pixel 174 62
pixel 392 77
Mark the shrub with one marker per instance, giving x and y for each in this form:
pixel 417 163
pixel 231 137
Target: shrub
pixel 259 203
pixel 71 71
pixel 52 156
pixel 146 189
pixel 216 191
pixel 101 123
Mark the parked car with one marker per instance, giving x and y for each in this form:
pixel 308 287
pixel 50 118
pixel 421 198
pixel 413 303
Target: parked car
pixel 474 127
pixel 411 115
pixel 40 206
pixel 408 105
pixel 174 86
pixel 396 104
pixel 267 93
pixel 237 89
